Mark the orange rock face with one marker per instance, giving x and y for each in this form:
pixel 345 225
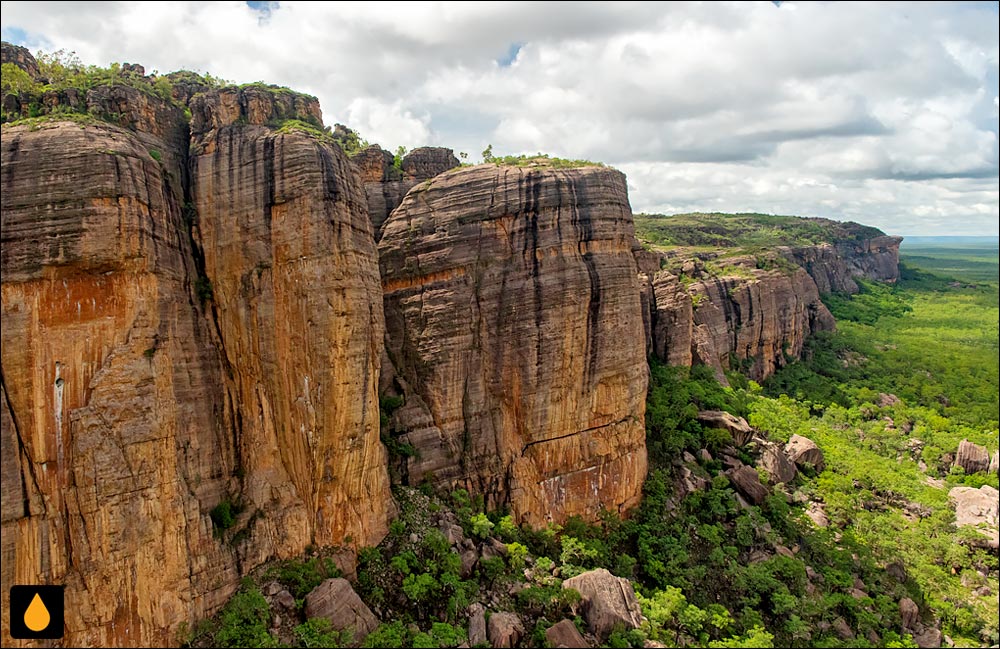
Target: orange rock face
pixel 116 439
pixel 513 322
pixel 172 342
pixel 288 249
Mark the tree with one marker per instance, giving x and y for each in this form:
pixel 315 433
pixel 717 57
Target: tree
pixel 488 153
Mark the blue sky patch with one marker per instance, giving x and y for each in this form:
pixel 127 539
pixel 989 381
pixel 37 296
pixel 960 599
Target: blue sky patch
pixel 507 59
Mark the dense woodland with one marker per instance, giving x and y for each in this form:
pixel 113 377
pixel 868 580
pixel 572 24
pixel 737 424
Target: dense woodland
pixel 709 570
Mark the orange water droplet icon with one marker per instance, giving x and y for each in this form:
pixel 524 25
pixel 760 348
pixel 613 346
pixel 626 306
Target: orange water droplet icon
pixel 37 617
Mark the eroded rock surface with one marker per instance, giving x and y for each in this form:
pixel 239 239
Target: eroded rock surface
pixel 513 322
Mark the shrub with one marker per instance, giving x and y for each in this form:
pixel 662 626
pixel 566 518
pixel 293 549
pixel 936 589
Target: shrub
pixel 245 619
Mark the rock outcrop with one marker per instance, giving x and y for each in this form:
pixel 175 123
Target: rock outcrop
pixel 731 316
pixel 980 509
pixel 116 436
pixel 565 634
pixel 19 56
pixel 753 313
pixel 336 601
pixel 513 323
pixel 973 458
pixel 290 261
pixel 835 266
pixel 175 342
pixel 607 601
pixel 804 453
pixel 505 630
pixel 386 184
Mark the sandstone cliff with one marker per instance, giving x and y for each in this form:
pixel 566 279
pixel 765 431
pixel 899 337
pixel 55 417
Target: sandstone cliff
pixel 288 251
pixel 116 431
pixel 513 322
pixel 180 335
pixel 386 185
pixel 750 312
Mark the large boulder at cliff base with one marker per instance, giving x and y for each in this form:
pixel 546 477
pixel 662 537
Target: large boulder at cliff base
pixel 565 634
pixel 747 482
pixel 737 427
pixel 606 601
pixel 336 601
pixel 505 630
pixel 804 453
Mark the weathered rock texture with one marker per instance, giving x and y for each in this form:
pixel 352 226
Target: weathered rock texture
pixel 116 439
pixel 386 185
pixel 730 316
pixel 19 56
pixel 336 601
pixel 607 601
pixel 834 266
pixel 147 379
pixel 973 458
pixel 979 508
pixel 289 253
pixel 513 322
pixel 751 313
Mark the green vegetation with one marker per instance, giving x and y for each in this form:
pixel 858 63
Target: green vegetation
pixel 537 160
pixel 224 514
pixel 300 577
pixel 245 620
pixel 911 371
pixel 966 262
pixel 752 232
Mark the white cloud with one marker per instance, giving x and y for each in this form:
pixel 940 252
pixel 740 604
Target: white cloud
pixel 880 112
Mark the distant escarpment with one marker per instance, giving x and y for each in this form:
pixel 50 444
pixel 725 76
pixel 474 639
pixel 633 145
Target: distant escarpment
pixel 742 291
pixel 514 326
pixel 387 178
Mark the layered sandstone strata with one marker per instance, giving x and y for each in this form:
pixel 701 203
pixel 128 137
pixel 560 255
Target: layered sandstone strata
pixel 513 322
pixel 293 274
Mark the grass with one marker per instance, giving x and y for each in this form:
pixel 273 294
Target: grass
pixel 750 231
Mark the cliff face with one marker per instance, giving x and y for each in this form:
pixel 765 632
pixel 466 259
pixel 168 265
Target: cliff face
pixel 751 312
pixel 385 185
pixel 834 266
pixel 173 341
pixel 737 316
pixel 289 253
pixel 115 437
pixel 513 322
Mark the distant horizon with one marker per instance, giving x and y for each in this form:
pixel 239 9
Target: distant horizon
pixel 880 113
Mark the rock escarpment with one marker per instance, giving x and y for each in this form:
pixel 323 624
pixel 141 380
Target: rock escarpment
pixel 513 322
pixel 387 184
pixel 178 339
pixel 290 259
pixel 729 315
pixel 116 442
pixel 834 266
pixel 751 313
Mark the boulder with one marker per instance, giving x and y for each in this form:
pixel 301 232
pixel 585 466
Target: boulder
pixel 606 600
pixel 995 462
pixel 776 463
pixel 929 638
pixel 978 508
pixel 285 599
pixel 817 514
pixel 736 426
pixel 477 625
pixel 747 482
pixel 469 559
pixel 335 600
pixel 843 629
pixel 973 458
pixel 505 630
pixel 909 613
pixel 803 451
pixel 565 634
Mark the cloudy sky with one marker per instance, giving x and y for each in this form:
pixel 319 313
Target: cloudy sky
pixel 884 113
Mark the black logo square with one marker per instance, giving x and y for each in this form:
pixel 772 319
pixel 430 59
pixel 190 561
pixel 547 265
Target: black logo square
pixel 37 612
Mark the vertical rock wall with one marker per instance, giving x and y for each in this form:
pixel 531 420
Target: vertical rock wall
pixel 513 322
